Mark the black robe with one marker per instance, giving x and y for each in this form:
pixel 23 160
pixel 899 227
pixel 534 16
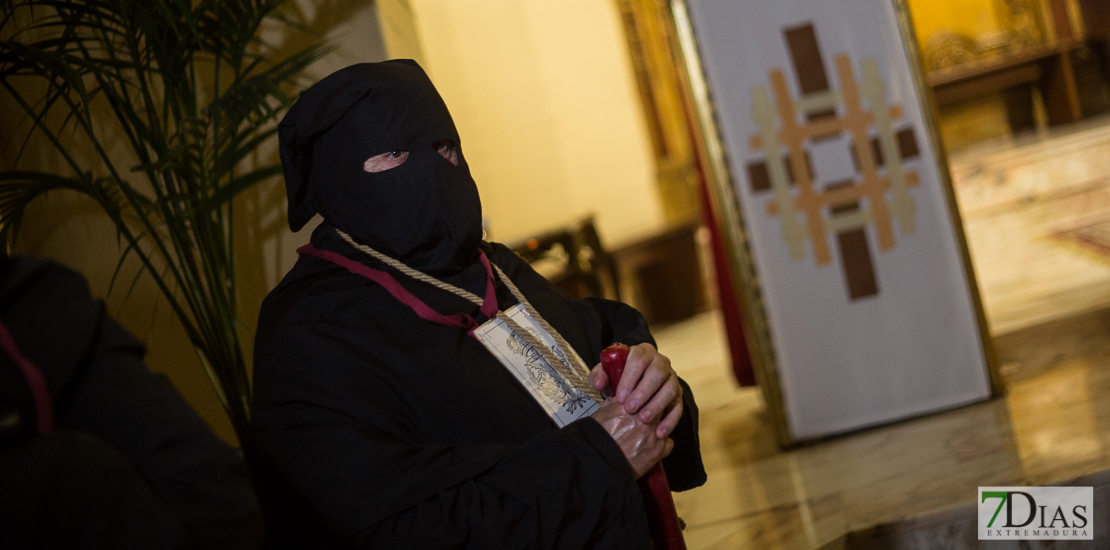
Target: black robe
pixel 382 430
pixel 130 464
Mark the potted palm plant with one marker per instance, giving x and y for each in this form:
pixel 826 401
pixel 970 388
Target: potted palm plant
pixel 192 91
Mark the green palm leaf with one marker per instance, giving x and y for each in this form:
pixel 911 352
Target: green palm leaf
pixel 193 91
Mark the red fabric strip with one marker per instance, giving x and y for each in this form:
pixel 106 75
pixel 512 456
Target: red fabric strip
pixel 44 410
pixel 489 304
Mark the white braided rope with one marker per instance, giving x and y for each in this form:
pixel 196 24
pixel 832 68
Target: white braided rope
pixel 418 275
pixel 581 370
pixel 567 373
pixel 573 374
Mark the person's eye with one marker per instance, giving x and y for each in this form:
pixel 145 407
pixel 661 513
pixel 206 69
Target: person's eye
pixel 385 161
pixel 446 149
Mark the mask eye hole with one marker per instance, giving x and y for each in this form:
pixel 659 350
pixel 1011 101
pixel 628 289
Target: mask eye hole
pixel 446 149
pixel 385 161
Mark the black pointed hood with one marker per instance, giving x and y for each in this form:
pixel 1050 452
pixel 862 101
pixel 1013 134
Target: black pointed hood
pixel 425 212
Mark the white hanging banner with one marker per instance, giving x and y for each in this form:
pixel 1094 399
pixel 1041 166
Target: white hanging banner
pixel 844 205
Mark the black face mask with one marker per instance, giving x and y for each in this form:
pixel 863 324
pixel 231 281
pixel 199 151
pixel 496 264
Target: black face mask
pixel 424 212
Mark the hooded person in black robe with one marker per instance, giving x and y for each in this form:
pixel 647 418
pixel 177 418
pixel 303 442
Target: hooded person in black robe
pixel 96 451
pixel 379 429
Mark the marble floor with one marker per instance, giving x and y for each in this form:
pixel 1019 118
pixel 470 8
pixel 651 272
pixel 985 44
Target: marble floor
pixel 1047 296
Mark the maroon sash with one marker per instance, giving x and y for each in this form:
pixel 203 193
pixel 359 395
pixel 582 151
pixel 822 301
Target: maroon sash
pixel 489 304
pixel 44 409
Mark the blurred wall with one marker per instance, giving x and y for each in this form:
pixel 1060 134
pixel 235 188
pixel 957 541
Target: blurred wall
pixel 398 24
pixel 544 98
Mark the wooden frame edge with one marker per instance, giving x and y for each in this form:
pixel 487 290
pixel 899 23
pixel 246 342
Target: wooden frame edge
pixel 710 150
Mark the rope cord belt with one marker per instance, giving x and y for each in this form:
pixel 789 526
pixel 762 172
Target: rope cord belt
pixel 576 373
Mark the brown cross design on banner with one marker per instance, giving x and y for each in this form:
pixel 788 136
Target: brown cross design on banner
pixel 810 211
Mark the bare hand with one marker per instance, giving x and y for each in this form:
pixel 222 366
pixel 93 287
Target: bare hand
pixel 637 440
pixel 648 386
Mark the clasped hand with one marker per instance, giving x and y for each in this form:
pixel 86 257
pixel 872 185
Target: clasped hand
pixel 645 408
